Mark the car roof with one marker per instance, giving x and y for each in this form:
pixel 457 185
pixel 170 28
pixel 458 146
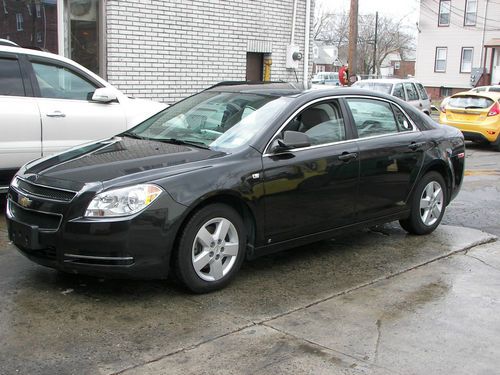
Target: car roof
pixel 34 52
pixel 388 80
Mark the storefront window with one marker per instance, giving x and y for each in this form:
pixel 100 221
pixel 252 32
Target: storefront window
pixel 30 23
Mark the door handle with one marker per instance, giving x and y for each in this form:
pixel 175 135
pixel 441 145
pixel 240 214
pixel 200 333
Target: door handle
pixel 56 114
pixel 347 156
pixel 415 145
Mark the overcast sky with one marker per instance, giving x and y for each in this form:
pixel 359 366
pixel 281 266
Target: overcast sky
pixel 409 9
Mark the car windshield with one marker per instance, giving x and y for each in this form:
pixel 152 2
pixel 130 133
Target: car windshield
pixel 470 102
pixel 375 86
pixel 216 120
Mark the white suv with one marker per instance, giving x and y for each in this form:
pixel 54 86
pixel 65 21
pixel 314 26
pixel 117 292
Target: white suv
pixel 49 103
pixel 408 90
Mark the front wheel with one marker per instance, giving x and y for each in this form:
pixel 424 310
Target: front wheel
pixel 211 248
pixel 428 204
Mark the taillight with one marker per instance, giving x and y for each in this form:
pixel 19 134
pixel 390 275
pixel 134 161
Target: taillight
pixel 495 110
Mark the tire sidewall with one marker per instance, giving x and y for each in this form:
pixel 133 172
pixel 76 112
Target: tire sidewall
pixel 183 262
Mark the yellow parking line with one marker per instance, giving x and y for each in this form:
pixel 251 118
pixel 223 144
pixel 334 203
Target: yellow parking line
pixel 482 172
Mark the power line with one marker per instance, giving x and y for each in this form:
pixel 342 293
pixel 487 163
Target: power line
pixel 452 21
pixel 461 12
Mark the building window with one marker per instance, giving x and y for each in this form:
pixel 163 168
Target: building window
pixel 445 91
pixel 470 13
pixel 466 63
pixel 5 7
pixel 28 6
pixel 397 65
pixel 440 64
pixel 38 11
pixel 444 13
pixel 39 37
pixel 19 22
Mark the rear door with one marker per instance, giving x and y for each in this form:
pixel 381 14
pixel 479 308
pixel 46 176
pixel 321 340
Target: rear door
pixel 424 98
pixel 390 156
pixel 68 115
pixel 20 129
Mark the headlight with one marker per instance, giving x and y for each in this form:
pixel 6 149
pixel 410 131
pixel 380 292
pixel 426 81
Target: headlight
pixel 122 202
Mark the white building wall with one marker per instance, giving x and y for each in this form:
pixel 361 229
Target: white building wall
pixel 168 49
pixel 454 37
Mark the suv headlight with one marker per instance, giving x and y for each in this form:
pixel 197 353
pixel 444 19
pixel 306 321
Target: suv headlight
pixel 123 202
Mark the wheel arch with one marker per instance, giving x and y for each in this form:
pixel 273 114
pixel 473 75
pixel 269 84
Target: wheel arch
pixel 230 199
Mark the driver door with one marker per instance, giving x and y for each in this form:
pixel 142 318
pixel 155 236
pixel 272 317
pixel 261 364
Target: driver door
pixel 68 116
pixel 311 189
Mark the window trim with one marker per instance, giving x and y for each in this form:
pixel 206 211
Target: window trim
pixel 467 2
pixel 462 59
pixel 439 14
pixel 351 137
pixel 436 60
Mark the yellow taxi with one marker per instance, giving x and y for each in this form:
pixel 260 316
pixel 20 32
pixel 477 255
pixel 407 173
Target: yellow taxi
pixel 477 115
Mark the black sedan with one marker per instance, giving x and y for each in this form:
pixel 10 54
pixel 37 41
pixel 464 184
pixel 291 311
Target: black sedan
pixel 234 172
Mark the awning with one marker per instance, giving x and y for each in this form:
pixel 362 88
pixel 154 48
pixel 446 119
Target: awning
pixel 495 42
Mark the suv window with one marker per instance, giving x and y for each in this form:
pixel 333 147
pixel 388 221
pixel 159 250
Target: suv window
pixel 398 91
pixel 411 92
pixel 11 81
pixel 60 83
pixel 323 123
pixel 372 117
pixel 422 92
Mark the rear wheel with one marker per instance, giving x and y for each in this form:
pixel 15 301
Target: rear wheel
pixel 428 204
pixel 211 249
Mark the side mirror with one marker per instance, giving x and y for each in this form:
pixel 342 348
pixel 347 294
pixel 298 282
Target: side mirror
pixel 291 140
pixel 104 95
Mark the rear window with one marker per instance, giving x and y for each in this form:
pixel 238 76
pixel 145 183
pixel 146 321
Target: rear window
pixel 375 86
pixel 495 89
pixel 470 102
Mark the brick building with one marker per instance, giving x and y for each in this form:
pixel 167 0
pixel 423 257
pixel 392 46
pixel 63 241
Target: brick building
pixel 168 49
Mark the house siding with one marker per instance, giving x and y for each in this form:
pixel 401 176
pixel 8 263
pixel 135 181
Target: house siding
pixel 167 50
pixel 454 37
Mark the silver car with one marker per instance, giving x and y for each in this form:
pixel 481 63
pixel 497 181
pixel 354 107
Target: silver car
pixel 408 90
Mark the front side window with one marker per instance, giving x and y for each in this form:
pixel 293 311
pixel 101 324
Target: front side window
pixel 398 91
pixel 219 120
pixel 322 123
pixel 466 60
pixel 411 91
pixel 372 117
pixel 61 83
pixel 470 13
pixel 440 63
pixel 444 13
pixel 11 82
pixel 422 92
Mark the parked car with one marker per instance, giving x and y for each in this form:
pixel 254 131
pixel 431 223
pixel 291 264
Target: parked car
pixel 7 42
pixel 477 115
pixel 326 78
pixel 408 90
pixel 234 172
pixel 494 88
pixel 49 103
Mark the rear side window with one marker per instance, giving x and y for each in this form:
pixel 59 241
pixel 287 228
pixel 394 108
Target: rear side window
pixel 372 117
pixel 11 81
pixel 411 92
pixel 495 89
pixel 422 92
pixel 398 91
pixel 61 83
pixel 470 102
pixel 403 123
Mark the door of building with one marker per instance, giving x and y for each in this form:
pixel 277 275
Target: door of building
pixel 255 63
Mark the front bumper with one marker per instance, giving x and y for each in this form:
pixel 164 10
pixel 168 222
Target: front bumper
pixel 54 234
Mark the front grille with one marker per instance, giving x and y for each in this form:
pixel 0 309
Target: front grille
pixel 42 220
pixel 45 192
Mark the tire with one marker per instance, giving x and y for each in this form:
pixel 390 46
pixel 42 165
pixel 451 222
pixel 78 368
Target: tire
pixel 423 220
pixel 206 261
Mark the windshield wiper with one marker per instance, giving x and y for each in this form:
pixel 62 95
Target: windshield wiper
pixel 133 135
pixel 176 141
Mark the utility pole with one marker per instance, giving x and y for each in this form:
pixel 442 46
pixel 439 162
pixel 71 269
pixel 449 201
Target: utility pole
pixel 375 45
pixel 353 38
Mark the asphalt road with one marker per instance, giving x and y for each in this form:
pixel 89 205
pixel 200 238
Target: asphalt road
pixel 374 302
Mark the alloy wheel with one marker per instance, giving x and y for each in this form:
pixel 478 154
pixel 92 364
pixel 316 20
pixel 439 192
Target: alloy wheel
pixel 431 203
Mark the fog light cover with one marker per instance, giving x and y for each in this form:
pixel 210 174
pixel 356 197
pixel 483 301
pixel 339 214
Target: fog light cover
pixel 123 202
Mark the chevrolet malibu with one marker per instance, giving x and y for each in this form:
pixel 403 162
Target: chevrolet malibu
pixel 232 173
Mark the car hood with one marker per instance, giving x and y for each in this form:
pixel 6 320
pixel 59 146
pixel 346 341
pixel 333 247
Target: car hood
pixel 116 160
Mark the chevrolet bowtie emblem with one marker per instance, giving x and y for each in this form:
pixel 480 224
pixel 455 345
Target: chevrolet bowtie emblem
pixel 24 201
